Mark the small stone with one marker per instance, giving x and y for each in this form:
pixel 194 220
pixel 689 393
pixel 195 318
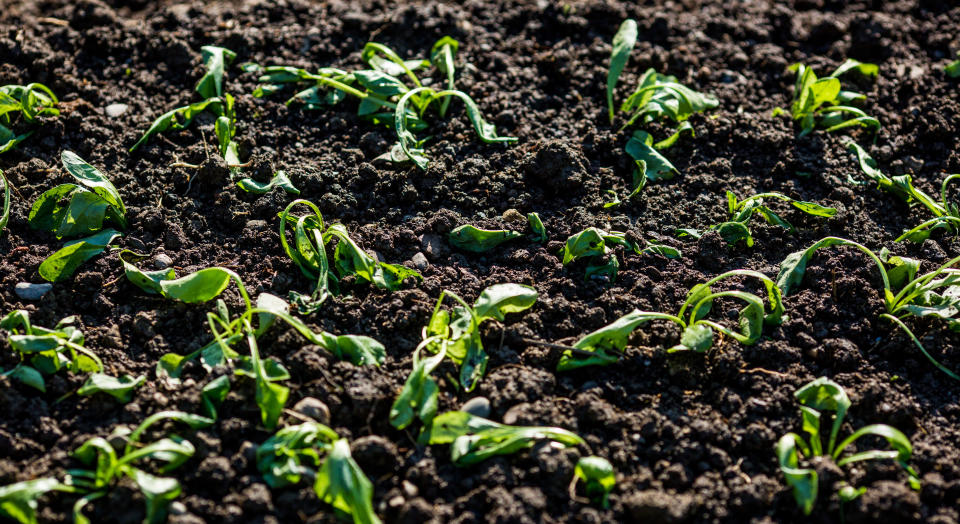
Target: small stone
pixel 477 406
pixel 162 261
pixel 515 414
pixel 512 215
pixel 420 261
pixel 257 224
pixel 410 489
pixel 115 110
pixel 30 291
pixel 395 502
pixel 313 408
pixel 177 508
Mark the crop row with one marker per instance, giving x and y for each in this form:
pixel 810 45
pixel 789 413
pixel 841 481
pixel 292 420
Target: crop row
pixel 392 92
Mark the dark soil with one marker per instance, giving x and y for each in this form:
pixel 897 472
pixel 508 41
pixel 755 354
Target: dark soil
pixel 691 436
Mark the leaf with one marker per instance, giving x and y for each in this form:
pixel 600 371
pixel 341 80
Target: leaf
pixel 380 84
pixel 606 344
pixel 177 119
pixel 536 225
pixel 696 337
pixel 803 481
pixel 824 394
pixel 733 232
pixel 97 182
pixel 19 501
pixel 870 70
pixel 62 264
pixel 795 265
pixel 499 299
pixel 599 476
pixel 441 56
pixel 342 484
pixel 148 281
pixel 213 394
pixel 280 179
pixel 953 69
pixel 202 286
pixel 418 397
pixel 214 60
pixel 287 455
pixel 159 492
pixel 475 439
pixel 120 388
pixel 623 43
pixel 587 243
pixel 28 376
pixel 5 216
pixel 270 397
pixel 472 238
pixel 49 209
pixel 657 167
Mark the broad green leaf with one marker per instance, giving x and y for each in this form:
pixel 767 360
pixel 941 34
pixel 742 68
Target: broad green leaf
pixel 62 264
pixel 499 299
pixel 803 481
pixel 202 286
pixel 287 455
pixel 380 83
pixel 697 338
pixel 28 376
pixel 623 43
pixel 870 70
pixel 50 208
pixel 148 281
pixel 418 397
pixel 472 238
pixel 589 242
pixel 608 343
pixel 19 501
pixel 824 394
pixel 280 179
pixel 536 225
pixel 342 484
pixel 159 492
pixel 120 388
pixel 640 147
pixel 213 394
pixel 97 182
pixel 214 60
pixel 599 476
pixel 179 118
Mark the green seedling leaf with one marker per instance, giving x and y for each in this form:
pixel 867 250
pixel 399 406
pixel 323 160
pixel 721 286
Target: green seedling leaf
pixel 214 60
pixel 342 484
pixel 441 56
pixel 697 338
pixel 475 439
pixel 179 118
pixel 606 345
pixel 822 103
pixel 472 238
pixel 62 264
pixel 870 70
pixel 589 242
pixel 280 179
pixel 536 225
pixel 794 266
pixel 158 493
pixel 148 281
pixel 292 451
pixel 5 216
pixel 418 398
pixel 97 182
pixel 19 501
pixel 804 481
pixel 202 286
pixel 655 166
pixel 213 394
pixel 119 388
pixel 598 475
pixel 499 299
pixel 953 68
pixel 623 43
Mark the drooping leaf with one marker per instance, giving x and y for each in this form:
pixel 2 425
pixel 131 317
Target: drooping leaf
pixel 62 264
pixel 120 388
pixel 341 483
pixel 279 179
pixel 499 299
pixel 471 238
pixel 598 475
pixel 214 60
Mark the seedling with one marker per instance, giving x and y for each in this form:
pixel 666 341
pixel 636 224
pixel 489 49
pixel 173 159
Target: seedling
pixel 821 103
pixel 19 501
pixel 656 97
pixel 311 238
pixel 953 68
pixel 934 294
pixel 741 211
pixel 5 216
pixel 29 102
pixel 456 336
pixel 295 451
pixel 78 209
pixel 474 439
pixel 946 214
pixel 606 345
pixel 471 238
pixel 817 397
pixel 539 232
pixel 597 245
pixel 384 90
pixel 279 179
pixel 598 476
pixel 209 283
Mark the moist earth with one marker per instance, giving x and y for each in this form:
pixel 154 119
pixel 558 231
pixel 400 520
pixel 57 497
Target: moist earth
pixel 691 436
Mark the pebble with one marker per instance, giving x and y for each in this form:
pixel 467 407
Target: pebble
pixel 477 406
pixel 420 261
pixel 313 408
pixel 162 261
pixel 256 224
pixel 115 110
pixel 30 291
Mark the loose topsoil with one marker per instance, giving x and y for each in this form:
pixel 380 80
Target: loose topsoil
pixel 691 436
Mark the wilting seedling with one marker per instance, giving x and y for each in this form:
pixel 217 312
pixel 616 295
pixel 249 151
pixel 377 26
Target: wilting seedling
pixel 309 252
pixel 596 244
pixel 656 97
pixel 741 211
pixel 606 345
pixel 905 294
pixel 385 91
pixel 29 102
pixel 598 477
pixel 105 468
pixel 471 238
pixel 456 336
pixel 474 439
pixel 209 283
pixel 946 214
pixel 295 451
pixel 78 209
pixel 821 103
pixel 817 397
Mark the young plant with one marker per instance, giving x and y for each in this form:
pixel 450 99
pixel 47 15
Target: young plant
pixel 946 214
pixel 606 345
pixel 384 91
pixel 293 452
pixel 598 477
pixel 471 238
pixel 29 102
pixel 207 284
pixel 597 245
pixel 953 68
pixel 824 395
pixel 821 103
pixel 5 215
pixel 78 209
pixel 741 211
pixel 905 294
pixel 656 97
pixel 18 501
pixel 43 351
pixel 474 439
pixel 536 225
pixel 311 238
